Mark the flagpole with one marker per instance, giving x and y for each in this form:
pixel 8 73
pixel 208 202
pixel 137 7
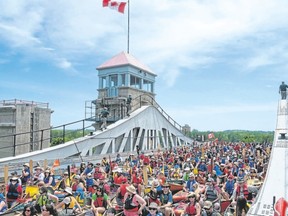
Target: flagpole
pixel 128 26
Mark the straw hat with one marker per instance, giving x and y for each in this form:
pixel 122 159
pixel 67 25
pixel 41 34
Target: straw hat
pixel 14 178
pixel 153 205
pixel 166 185
pixel 39 168
pixel 68 190
pixel 26 164
pixel 192 194
pixel 131 189
pixel 207 204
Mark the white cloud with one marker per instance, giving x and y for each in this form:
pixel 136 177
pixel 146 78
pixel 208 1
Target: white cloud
pixel 64 64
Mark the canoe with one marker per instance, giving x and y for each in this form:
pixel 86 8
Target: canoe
pixel 175 185
pixel 179 196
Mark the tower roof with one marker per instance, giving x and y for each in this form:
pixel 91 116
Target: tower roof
pixel 122 59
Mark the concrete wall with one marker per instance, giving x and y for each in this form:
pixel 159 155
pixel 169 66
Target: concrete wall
pixel 24 118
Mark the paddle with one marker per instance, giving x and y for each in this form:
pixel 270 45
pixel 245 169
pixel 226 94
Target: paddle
pixel 69 175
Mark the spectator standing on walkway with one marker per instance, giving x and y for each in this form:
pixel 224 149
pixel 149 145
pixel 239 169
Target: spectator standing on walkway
pixel 104 114
pixel 283 90
pixel 128 105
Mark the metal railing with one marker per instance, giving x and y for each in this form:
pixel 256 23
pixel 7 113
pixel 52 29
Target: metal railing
pixel 63 136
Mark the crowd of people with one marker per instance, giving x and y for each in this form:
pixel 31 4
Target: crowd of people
pixel 209 174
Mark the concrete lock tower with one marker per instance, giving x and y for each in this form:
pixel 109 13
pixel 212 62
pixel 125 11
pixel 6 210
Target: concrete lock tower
pixel 121 78
pixel 22 125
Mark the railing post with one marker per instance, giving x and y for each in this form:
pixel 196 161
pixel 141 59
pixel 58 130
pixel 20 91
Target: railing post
pixel 41 143
pixel 83 129
pixel 140 101
pixel 14 145
pixel 63 134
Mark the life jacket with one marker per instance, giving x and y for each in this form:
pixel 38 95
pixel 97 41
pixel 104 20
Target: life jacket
pixel 43 200
pixel 245 191
pixel 191 209
pixel 97 174
pixel 122 190
pixel 46 180
pixel 74 186
pixel 89 182
pixel 164 198
pixel 130 204
pixel 100 202
pixel 12 191
pixel 106 188
pixel 26 178
pixel 229 187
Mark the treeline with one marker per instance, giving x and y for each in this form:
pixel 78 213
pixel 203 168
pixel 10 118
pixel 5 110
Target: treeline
pixel 58 136
pixel 235 136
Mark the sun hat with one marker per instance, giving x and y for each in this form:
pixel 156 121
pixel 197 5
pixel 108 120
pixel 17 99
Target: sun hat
pixel 207 204
pixel 67 200
pixel 192 194
pixel 68 190
pixel 39 168
pixel 166 185
pixel 14 178
pixel 131 189
pixel 153 205
pixel 26 164
pixel 76 177
pixel 191 175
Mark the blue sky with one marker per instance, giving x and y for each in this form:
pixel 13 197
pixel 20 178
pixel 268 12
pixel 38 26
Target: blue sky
pixel 219 63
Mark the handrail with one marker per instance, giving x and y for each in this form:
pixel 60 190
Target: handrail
pixel 137 102
pixel 42 140
pixel 156 105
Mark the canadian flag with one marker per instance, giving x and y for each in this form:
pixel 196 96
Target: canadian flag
pixel 211 135
pixel 115 5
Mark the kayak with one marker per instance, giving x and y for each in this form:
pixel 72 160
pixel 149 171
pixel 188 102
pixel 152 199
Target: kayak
pixel 179 196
